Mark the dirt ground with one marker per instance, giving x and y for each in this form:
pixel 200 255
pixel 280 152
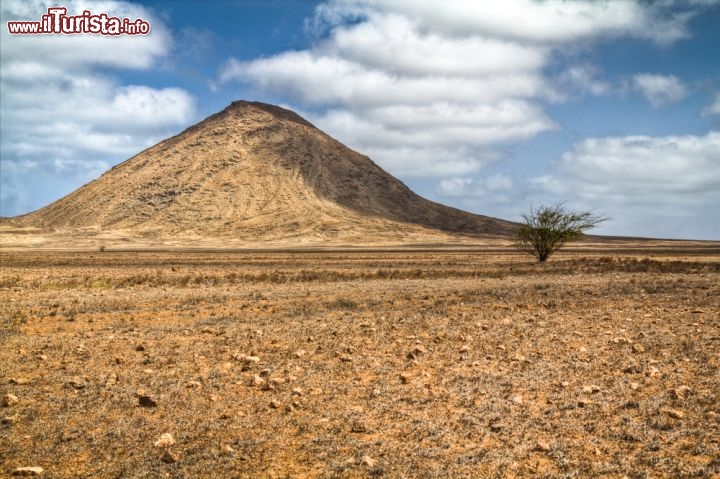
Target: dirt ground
pixel 416 364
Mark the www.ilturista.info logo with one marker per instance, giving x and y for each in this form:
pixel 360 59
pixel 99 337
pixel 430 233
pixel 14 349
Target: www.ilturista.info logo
pixel 57 21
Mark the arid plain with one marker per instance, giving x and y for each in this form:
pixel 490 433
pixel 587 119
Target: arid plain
pixel 463 362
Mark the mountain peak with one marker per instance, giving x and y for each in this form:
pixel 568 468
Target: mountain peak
pixel 242 106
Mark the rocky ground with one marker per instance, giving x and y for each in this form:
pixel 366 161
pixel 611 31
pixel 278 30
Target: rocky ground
pixel 359 364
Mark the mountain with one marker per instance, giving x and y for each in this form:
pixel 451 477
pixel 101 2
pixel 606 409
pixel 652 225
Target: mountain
pixel 256 172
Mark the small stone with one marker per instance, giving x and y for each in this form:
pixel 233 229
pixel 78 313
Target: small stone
pixel 652 371
pixel 297 392
pixel 165 440
pixel 674 413
pixel 404 378
pixel 680 392
pixel 634 386
pixel 19 381
pixel 170 457
pixel 27 471
pixel 119 360
pixel 76 383
pixel 9 400
pixel 359 427
pixel 565 384
pixel 274 404
pixel 146 401
pixel 368 461
pixel 632 369
pixel 228 448
pixel 543 446
pixel 42 357
pixel 592 389
pixel 517 399
pixel 300 353
pixel 140 348
pixel 465 349
pixel 638 348
pixel 252 359
pixel 9 420
pixel 193 385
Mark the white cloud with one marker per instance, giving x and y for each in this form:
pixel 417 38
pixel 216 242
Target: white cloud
pixel 63 114
pixel 419 81
pixel 714 107
pixel 579 80
pixel 659 89
pixel 469 187
pixel 551 21
pixel 650 185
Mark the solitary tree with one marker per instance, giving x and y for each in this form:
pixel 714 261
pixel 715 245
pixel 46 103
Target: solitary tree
pixel 548 228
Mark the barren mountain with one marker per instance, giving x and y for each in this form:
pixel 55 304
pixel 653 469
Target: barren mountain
pixel 256 172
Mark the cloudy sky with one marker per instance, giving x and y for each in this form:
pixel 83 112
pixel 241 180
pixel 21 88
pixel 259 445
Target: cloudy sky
pixel 489 106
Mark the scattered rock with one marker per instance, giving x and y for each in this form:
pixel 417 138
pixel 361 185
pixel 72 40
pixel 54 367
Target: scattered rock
pixel 27 471
pixel 228 448
pixel 9 420
pixel 368 461
pixel 165 440
pixel 297 392
pixel 140 347
pixel 416 352
pixel 404 378
pixel 632 369
pixel 592 389
pixel 543 446
pixel 170 457
pixel 19 381
pixel 565 384
pixel 146 401
pixel 193 385
pixel 9 400
pixel 634 386
pixel 274 404
pixel 680 392
pixel 42 357
pixel 77 383
pixel 638 348
pixel 674 413
pixel 517 399
pixel 652 372
pixel 359 427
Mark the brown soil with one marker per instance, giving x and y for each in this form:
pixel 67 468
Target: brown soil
pixel 361 364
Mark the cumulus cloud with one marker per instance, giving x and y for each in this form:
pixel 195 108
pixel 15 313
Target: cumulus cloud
pixel 644 183
pixel 659 89
pixel 420 82
pixel 64 115
pixel 548 22
pixel 713 108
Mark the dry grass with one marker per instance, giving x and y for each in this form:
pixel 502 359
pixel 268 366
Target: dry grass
pixel 426 364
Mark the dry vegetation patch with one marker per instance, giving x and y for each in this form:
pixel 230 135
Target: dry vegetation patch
pixel 359 364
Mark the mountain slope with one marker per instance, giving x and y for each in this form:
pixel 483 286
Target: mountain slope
pixel 255 172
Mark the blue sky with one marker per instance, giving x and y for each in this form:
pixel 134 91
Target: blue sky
pixel 487 106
